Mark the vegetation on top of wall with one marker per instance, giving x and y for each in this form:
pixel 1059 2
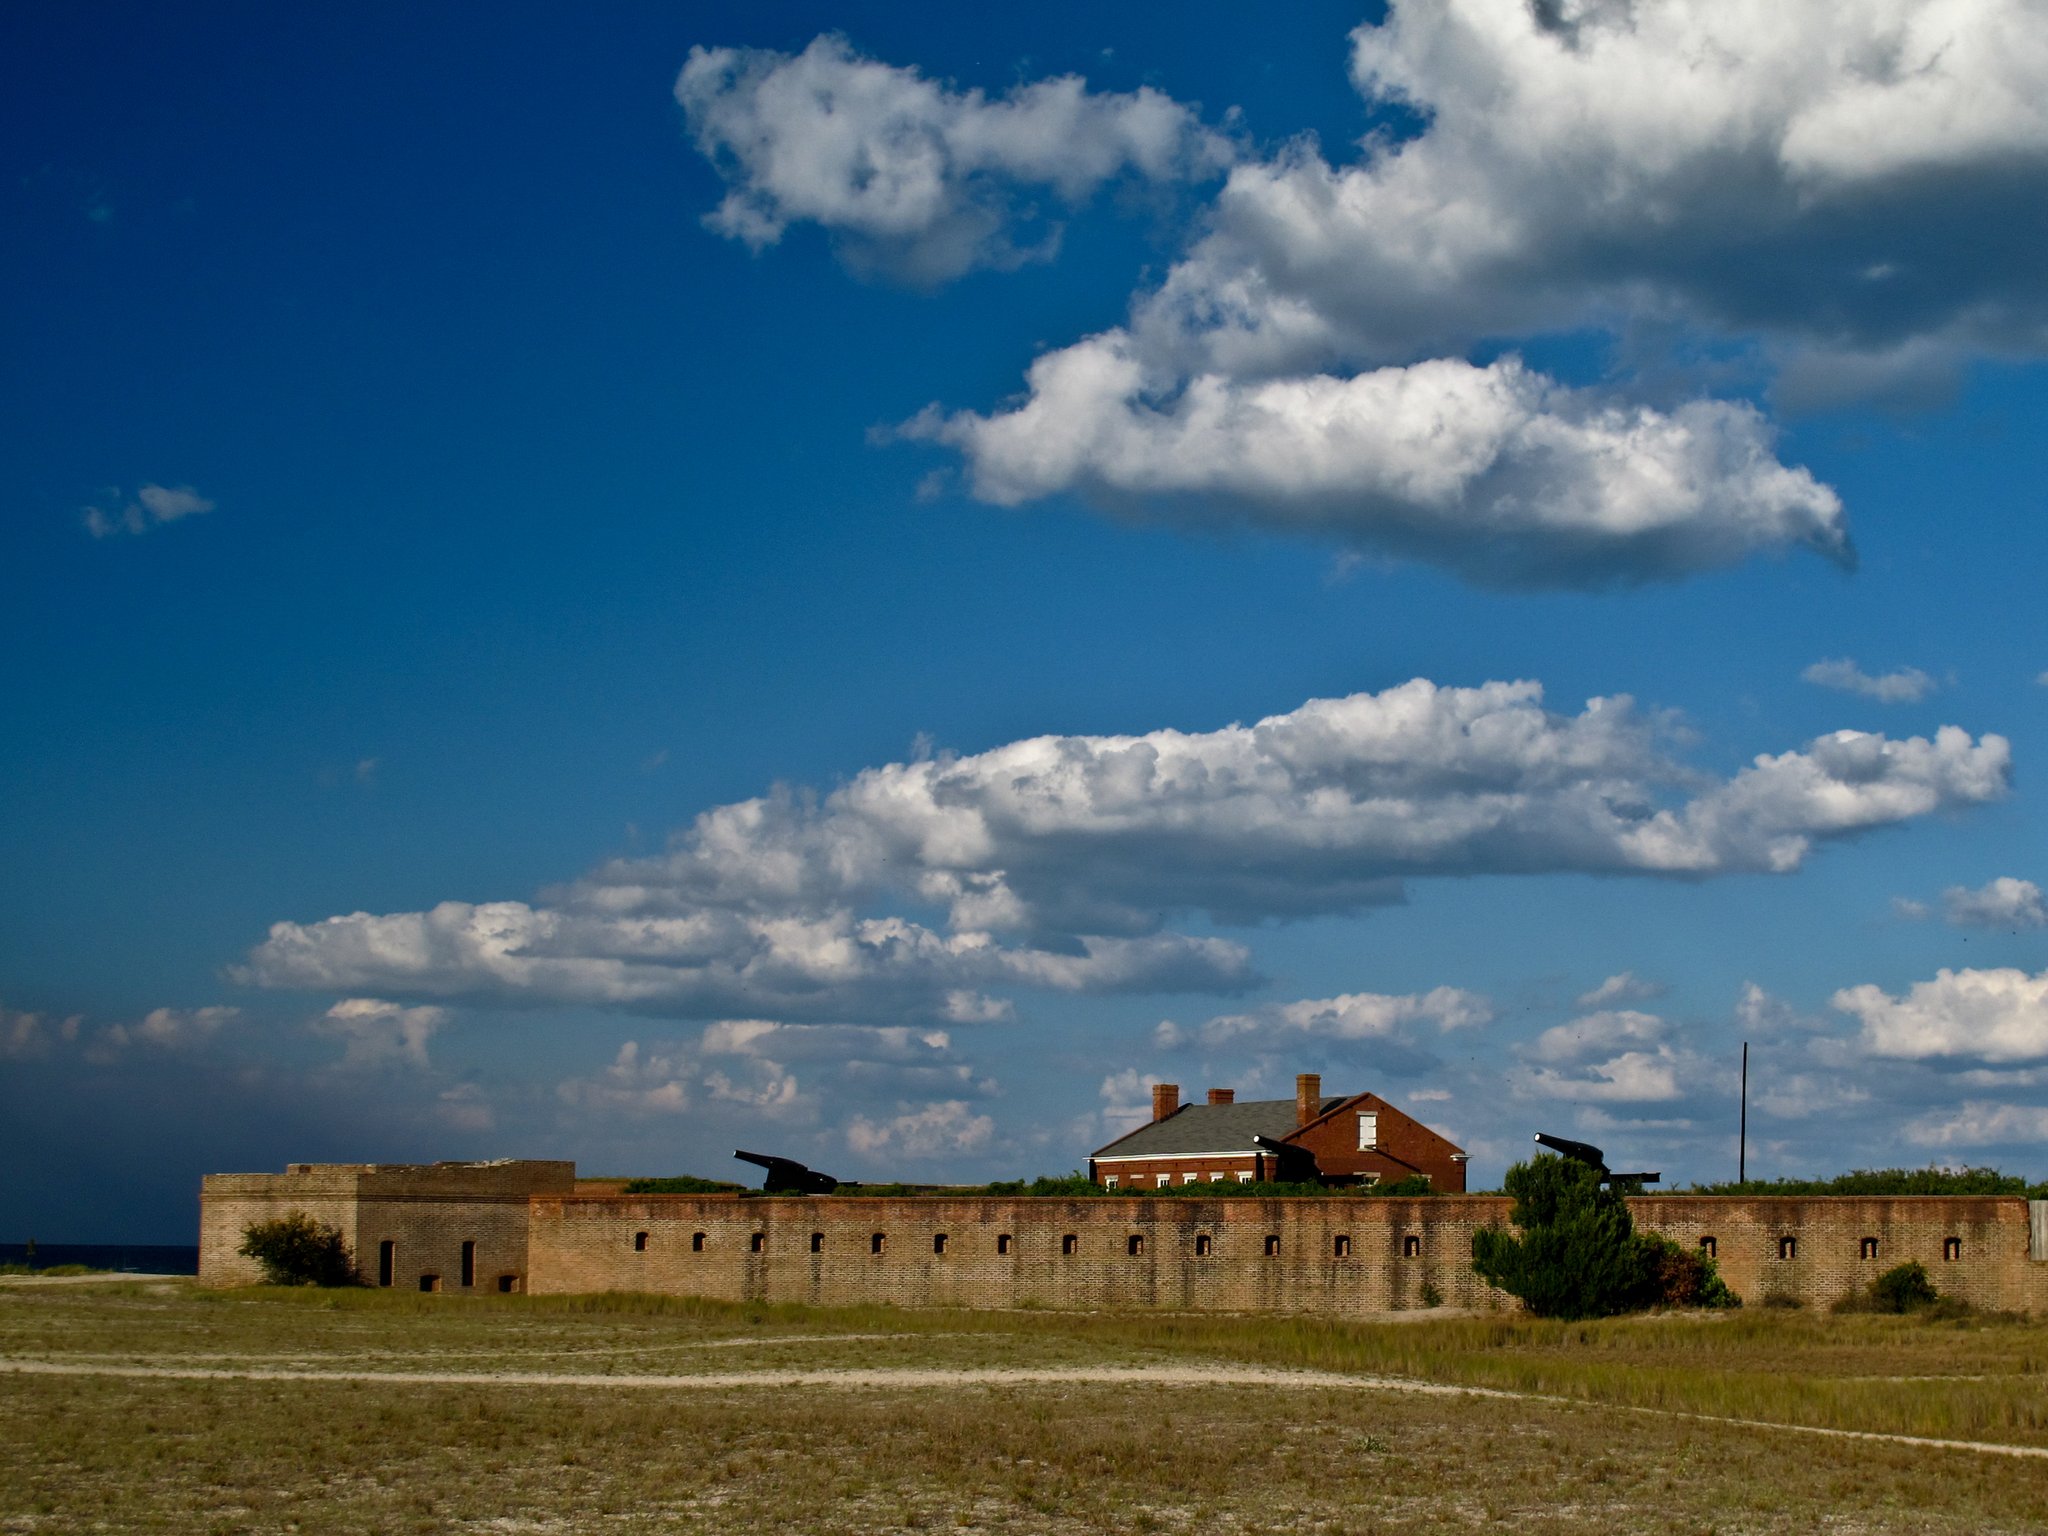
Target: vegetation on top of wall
pixel 1888 1181
pixel 683 1184
pixel 1578 1254
pixel 1078 1186
pixel 294 1249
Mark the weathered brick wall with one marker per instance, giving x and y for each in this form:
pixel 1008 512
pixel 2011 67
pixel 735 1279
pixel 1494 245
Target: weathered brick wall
pixel 1988 1263
pixel 589 1244
pixel 1331 1256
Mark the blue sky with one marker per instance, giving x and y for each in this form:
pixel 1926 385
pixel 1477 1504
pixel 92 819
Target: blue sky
pixel 720 574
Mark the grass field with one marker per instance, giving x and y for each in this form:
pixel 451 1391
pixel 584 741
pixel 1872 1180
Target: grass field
pixel 639 1414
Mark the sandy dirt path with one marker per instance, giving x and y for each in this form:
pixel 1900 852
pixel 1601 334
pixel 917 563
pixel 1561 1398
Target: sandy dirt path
pixel 941 1378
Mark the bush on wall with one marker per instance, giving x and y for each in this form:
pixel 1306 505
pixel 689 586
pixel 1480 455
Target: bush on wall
pixel 1578 1253
pixel 294 1249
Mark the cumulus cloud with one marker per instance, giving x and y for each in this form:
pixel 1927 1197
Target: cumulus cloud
pixel 1838 174
pixel 1626 987
pixel 637 1083
pixel 150 507
pixel 27 1035
pixel 913 178
pixel 2002 903
pixel 1908 685
pixel 166 1029
pixel 1989 1015
pixel 374 1032
pixel 1355 1016
pixel 1496 472
pixel 1978 1123
pixel 1631 1077
pixel 1596 1032
pixel 1057 859
pixel 951 1126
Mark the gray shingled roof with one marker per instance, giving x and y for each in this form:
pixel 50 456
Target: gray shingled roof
pixel 1196 1129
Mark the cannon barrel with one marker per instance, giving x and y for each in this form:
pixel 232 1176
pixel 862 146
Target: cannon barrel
pixel 1577 1151
pixel 1297 1165
pixel 787 1176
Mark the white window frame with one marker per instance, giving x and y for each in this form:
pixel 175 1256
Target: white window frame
pixel 1246 1177
pixel 1368 1130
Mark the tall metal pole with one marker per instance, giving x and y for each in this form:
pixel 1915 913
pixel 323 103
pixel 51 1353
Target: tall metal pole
pixel 1742 1135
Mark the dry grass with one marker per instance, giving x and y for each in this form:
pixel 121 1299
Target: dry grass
pixel 108 1453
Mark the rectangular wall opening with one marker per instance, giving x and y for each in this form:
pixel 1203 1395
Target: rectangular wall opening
pixel 468 1265
pixel 1003 1241
pixel 757 1243
pixel 1204 1243
pixel 1135 1245
pixel 430 1282
pixel 1951 1248
pixel 1868 1248
pixel 938 1242
pixel 878 1242
pixel 1341 1248
pixel 1070 1245
pixel 1272 1245
pixel 1709 1248
pixel 639 1242
pixel 817 1242
pixel 387 1261
pixel 1411 1247
pixel 696 1242
pixel 507 1284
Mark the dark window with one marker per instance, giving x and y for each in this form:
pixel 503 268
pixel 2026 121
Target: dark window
pixel 507 1284
pixel 877 1243
pixel 1341 1248
pixel 1070 1245
pixel 1709 1247
pixel 1411 1247
pixel 1272 1245
pixel 1788 1247
pixel 387 1261
pixel 938 1242
pixel 1868 1248
pixel 1951 1247
pixel 1002 1242
pixel 639 1242
pixel 757 1242
pixel 817 1242
pixel 1135 1245
pixel 1203 1243
pixel 468 1265
pixel 430 1282
pixel 696 1242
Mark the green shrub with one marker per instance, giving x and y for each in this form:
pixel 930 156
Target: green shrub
pixel 1888 1181
pixel 1685 1277
pixel 683 1184
pixel 1904 1288
pixel 1578 1255
pixel 294 1249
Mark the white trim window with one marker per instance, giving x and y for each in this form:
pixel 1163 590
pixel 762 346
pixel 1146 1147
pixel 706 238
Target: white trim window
pixel 1368 1131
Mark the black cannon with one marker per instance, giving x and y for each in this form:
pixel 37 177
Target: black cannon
pixel 1592 1157
pixel 787 1176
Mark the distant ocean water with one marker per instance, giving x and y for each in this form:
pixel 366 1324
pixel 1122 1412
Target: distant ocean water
pixel 143 1258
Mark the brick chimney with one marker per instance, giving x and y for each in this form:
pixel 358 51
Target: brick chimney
pixel 1308 1097
pixel 1165 1100
pixel 1222 1095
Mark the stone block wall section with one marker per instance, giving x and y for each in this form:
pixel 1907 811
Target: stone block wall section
pixel 427 1213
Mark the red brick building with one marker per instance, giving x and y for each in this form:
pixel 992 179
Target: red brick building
pixel 1359 1139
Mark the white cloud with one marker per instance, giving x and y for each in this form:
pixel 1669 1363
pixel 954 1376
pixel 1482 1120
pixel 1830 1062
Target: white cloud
pixel 1976 1123
pixel 465 1107
pixel 1598 1032
pixel 936 1130
pixel 1989 1015
pixel 914 178
pixel 1351 1017
pixel 1625 987
pixel 2003 903
pixel 1632 1077
pixel 1838 173
pixel 1496 472
pixel 166 1029
pixel 1762 1016
pixel 1082 846
pixel 375 1032
pixel 1906 909
pixel 27 1035
pixel 150 507
pixel 1803 1095
pixel 656 1083
pixel 1908 685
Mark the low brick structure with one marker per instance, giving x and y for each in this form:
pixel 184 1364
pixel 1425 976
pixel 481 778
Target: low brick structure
pixel 529 1226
